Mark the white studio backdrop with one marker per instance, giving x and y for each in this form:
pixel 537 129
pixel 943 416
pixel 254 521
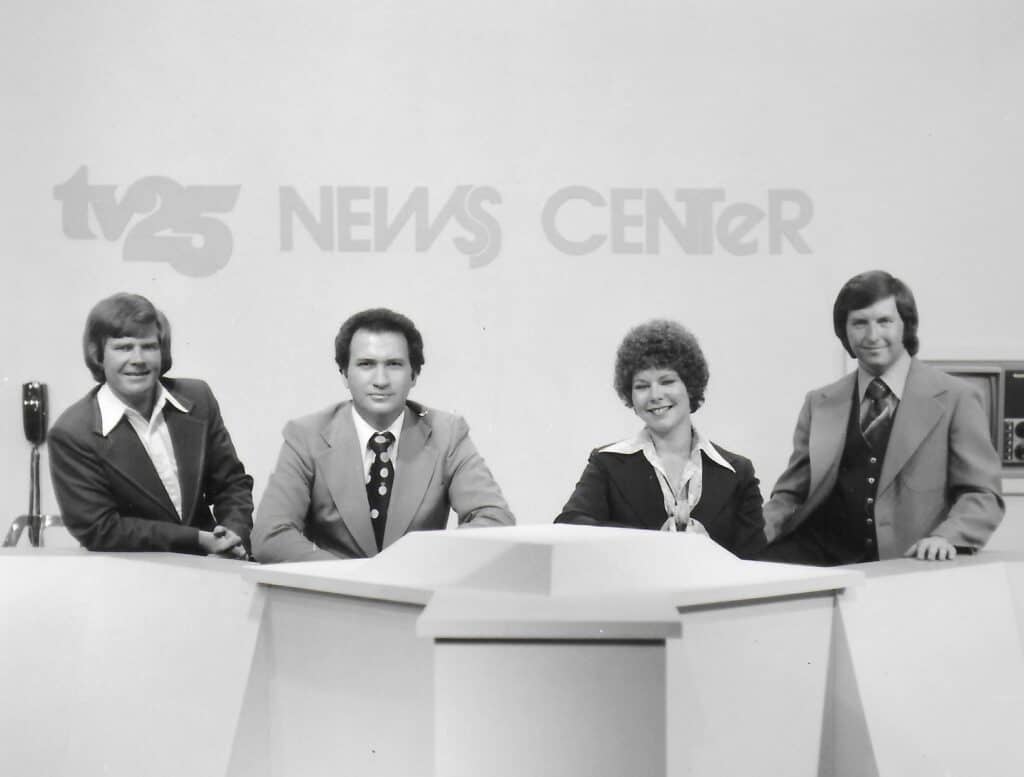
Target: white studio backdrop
pixel 290 122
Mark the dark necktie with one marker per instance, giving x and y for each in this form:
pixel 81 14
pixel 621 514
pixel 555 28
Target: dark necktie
pixel 876 417
pixel 378 484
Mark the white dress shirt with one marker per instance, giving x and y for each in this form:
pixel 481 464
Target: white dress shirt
pixel 153 434
pixel 679 502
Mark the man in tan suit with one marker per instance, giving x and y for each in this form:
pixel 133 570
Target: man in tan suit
pixel 356 476
pixel 894 459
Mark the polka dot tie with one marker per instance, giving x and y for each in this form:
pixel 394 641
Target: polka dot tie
pixel 378 484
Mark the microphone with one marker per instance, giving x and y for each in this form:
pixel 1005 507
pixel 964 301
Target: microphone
pixel 34 410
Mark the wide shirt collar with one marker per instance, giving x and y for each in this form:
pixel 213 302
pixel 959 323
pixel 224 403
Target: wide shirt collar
pixel 643 441
pixel 364 432
pixel 895 377
pixel 112 409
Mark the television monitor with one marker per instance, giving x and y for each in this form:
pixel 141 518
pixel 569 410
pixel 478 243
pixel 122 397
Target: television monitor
pixel 1001 386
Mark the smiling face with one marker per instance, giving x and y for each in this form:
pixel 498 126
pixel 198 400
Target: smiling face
pixel 660 399
pixel 379 376
pixel 131 367
pixel 875 335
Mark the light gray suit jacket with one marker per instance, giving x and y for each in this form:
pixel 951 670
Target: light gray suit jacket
pixel 940 476
pixel 315 505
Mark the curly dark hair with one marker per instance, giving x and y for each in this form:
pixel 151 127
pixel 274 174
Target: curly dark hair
pixel 123 315
pixel 379 320
pixel 661 344
pixel 863 291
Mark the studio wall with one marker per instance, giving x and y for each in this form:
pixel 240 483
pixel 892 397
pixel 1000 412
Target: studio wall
pixel 893 127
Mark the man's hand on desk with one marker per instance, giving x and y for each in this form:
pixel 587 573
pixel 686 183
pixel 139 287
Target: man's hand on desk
pixel 222 542
pixel 932 549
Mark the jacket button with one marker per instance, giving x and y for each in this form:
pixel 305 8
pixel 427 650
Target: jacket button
pixel 874 460
pixel 871 481
pixel 871 500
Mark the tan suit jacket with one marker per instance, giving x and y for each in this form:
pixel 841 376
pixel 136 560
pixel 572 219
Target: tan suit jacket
pixel 940 475
pixel 315 505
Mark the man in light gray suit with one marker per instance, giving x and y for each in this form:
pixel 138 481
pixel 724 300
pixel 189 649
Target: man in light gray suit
pixel 894 459
pixel 354 477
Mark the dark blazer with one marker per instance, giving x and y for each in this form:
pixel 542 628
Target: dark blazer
pixel 315 505
pixel 110 495
pixel 622 489
pixel 940 475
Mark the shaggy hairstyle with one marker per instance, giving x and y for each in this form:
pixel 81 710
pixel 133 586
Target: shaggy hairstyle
pixel 379 320
pixel 661 344
pixel 864 290
pixel 123 315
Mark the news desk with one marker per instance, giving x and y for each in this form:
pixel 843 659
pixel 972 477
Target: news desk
pixel 545 650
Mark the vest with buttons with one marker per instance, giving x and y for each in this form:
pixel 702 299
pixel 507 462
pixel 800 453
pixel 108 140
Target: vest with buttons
pixel 844 524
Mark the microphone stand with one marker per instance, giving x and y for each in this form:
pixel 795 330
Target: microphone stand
pixel 33 404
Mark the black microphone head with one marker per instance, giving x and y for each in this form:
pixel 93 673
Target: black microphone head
pixel 34 411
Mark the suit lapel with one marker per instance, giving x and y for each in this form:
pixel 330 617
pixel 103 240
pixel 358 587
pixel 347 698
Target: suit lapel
pixel 918 412
pixel 412 476
pixel 187 435
pixel 124 452
pixel 830 414
pixel 343 473
pixel 637 482
pixel 717 485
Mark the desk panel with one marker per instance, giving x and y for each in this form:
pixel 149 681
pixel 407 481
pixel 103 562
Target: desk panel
pixel 123 664
pixel 128 664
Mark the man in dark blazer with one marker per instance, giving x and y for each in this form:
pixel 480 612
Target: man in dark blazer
pixel 895 458
pixel 354 477
pixel 138 463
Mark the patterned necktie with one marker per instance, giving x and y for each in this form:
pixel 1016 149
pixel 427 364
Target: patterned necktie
pixel 378 483
pixel 876 415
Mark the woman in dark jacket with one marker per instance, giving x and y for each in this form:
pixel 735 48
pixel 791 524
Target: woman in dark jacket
pixel 668 477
